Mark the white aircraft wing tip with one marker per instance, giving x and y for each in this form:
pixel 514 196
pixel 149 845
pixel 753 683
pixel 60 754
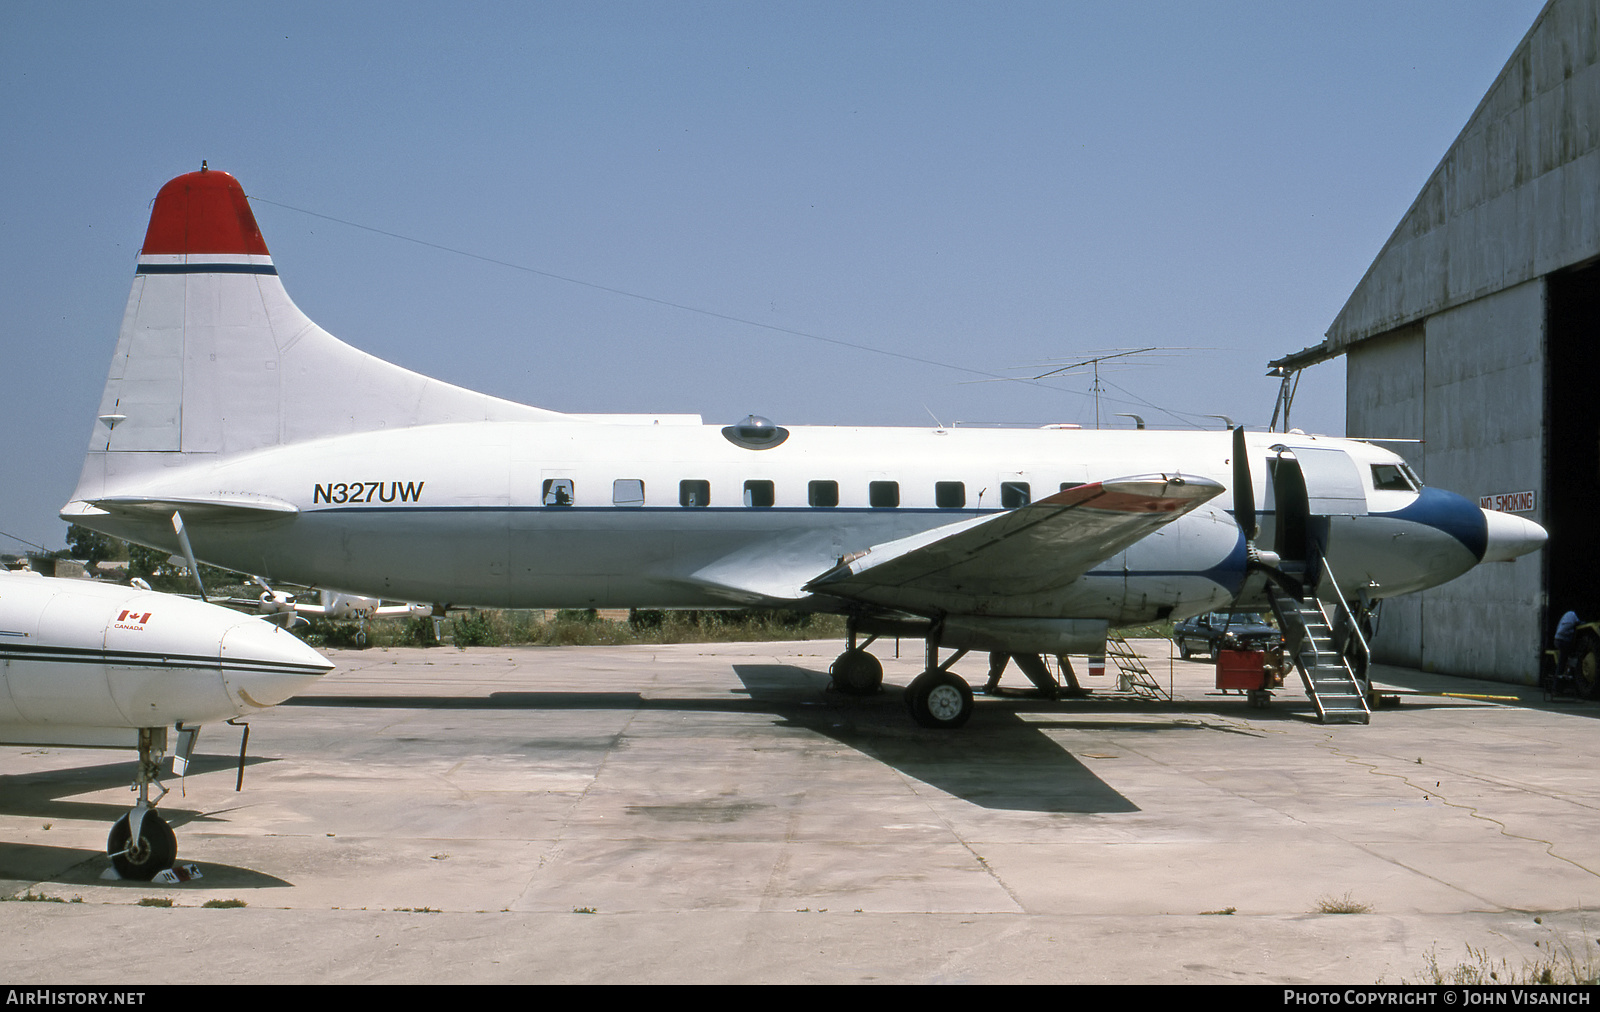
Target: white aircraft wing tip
pixel 1147 493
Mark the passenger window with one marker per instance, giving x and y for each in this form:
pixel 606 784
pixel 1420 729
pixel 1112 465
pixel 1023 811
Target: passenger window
pixel 949 495
pixel 627 492
pixel 1390 478
pixel 759 493
pixel 1071 484
pixel 558 491
pixel 1014 493
pixel 693 492
pixel 823 493
pixel 883 494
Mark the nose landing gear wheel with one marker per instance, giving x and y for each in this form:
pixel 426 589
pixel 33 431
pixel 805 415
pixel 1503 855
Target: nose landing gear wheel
pixel 142 859
pixel 939 699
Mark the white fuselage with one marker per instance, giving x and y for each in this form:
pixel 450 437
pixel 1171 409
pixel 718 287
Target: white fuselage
pixel 458 513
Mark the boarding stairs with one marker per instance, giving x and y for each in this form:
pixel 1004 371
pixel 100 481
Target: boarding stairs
pixel 1132 675
pixel 1320 637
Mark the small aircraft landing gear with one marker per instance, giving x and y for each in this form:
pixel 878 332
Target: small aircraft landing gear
pixel 938 697
pixel 141 844
pixel 856 672
pixel 151 851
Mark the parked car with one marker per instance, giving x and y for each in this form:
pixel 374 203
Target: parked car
pixel 1218 630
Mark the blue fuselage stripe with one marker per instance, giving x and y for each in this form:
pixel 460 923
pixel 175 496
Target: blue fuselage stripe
pixel 206 269
pixel 1454 514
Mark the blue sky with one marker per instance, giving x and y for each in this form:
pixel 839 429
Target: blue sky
pixel 986 187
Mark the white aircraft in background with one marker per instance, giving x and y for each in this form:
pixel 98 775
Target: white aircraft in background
pixel 284 452
pixel 101 666
pixel 330 604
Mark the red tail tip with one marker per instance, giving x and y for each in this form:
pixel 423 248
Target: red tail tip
pixel 203 212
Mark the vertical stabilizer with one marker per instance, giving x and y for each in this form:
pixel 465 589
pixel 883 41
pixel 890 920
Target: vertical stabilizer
pixel 214 357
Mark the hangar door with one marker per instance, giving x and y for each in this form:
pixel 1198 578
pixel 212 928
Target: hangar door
pixel 1572 444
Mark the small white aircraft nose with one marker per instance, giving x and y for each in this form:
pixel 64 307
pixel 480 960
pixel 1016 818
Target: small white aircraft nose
pixel 264 665
pixel 1510 536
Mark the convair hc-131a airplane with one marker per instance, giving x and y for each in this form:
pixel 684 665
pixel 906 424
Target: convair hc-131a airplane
pixel 233 422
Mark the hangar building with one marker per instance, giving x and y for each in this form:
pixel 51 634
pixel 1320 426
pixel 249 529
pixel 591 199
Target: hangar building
pixel 1474 331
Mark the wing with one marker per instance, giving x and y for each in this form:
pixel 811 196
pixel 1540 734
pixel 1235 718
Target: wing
pixel 1029 551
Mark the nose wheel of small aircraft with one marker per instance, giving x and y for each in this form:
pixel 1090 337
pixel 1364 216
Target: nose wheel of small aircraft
pixel 152 852
pixel 141 844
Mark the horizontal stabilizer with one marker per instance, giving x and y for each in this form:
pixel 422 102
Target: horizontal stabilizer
pixel 211 510
pixel 976 565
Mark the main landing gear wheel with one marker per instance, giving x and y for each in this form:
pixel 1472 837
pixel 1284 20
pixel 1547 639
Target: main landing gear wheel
pixel 939 699
pixel 144 858
pixel 857 673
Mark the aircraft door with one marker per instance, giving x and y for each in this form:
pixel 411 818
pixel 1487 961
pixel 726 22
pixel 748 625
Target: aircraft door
pixel 1332 482
pixel 1291 508
pixel 1309 485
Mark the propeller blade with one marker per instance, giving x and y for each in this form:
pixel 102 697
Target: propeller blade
pixel 1244 492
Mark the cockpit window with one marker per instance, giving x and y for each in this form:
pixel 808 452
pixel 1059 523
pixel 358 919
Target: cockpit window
pixel 1393 478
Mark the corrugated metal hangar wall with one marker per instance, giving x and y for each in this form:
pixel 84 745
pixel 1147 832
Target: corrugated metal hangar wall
pixel 1475 330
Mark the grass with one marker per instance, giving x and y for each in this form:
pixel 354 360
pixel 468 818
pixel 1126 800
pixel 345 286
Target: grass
pixel 32 897
pixel 1152 631
pixel 222 904
pixel 156 901
pixel 577 627
pixel 493 628
pixel 1557 963
pixel 1345 904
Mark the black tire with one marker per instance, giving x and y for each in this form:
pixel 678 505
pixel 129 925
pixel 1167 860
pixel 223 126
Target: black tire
pixel 1183 650
pixel 940 700
pixel 857 673
pixel 1586 672
pixel 156 850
